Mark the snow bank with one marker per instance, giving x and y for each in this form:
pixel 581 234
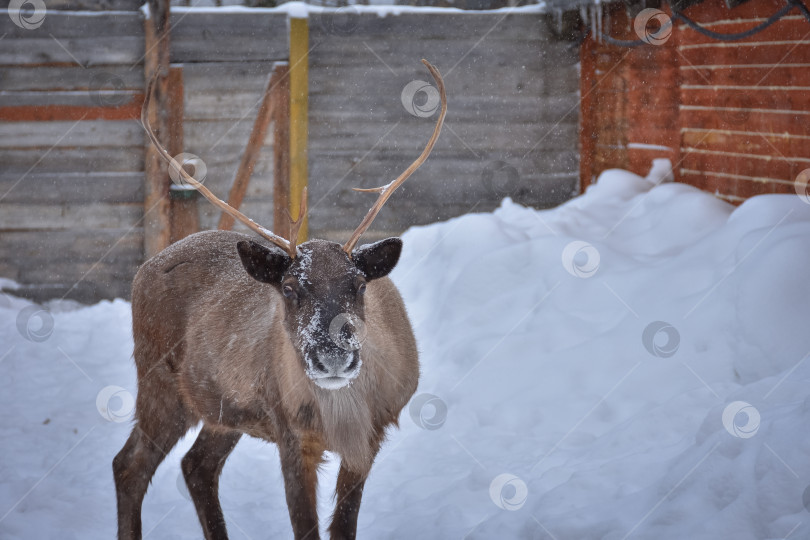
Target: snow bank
pixel 631 364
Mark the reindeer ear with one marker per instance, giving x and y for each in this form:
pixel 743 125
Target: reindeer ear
pixel 378 259
pixel 263 263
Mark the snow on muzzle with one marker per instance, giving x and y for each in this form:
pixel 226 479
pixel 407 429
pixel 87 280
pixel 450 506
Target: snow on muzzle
pixel 336 365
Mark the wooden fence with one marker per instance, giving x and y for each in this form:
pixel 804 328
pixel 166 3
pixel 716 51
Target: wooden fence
pixel 72 167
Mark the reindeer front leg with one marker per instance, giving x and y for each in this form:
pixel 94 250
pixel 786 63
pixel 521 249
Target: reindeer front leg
pixel 349 493
pixel 300 459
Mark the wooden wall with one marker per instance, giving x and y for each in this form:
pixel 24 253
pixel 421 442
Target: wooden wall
pixel 511 126
pixel 71 171
pixel 734 118
pixel 71 181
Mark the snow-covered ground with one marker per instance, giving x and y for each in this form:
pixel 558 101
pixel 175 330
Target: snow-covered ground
pixel 631 364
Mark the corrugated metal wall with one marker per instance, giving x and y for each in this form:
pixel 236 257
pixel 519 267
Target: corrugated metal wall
pixel 733 117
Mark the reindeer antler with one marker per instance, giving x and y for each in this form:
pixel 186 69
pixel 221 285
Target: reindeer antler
pixel 388 189
pixel 288 246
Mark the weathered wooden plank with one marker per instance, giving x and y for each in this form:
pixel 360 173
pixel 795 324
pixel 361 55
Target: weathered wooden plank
pixel 97 133
pixel 217 77
pixel 15 216
pixel 406 136
pixel 85 51
pixel 71 188
pixel 236 36
pixel 409 211
pixel 72 159
pixel 89 286
pixel 467 58
pixel 259 209
pixel 70 78
pixel 95 5
pixel 30 248
pixel 76 28
pixel 442 179
pixel 70 98
pixel 75 38
pixel 339 26
pixel 388 107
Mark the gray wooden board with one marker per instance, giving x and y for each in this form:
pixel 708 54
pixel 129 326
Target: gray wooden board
pixel 228 37
pixel 67 78
pixel 95 5
pixel 84 245
pixel 71 134
pixel 72 159
pixel 71 188
pixel 338 25
pixel 84 39
pixel 69 215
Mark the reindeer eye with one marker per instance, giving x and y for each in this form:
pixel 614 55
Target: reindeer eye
pixel 288 291
pixel 361 288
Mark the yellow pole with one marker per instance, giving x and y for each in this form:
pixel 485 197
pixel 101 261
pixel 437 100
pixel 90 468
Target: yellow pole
pixel 299 105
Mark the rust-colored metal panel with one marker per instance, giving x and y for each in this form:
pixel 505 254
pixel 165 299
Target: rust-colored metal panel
pixel 733 117
pixel 56 113
pixel 632 112
pixel 745 113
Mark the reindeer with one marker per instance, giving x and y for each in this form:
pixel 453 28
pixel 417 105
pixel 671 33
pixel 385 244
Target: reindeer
pixel 307 346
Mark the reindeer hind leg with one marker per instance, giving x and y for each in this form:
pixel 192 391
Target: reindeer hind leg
pixel 152 438
pixel 202 466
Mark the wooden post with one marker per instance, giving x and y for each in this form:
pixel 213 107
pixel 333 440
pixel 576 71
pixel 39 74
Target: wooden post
pixel 299 96
pixel 156 223
pixel 250 155
pixel 184 216
pixel 281 149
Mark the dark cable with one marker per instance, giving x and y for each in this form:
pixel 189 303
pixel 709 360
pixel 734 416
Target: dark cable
pixel 734 37
pixel 790 4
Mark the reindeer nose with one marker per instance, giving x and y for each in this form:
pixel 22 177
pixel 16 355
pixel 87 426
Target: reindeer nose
pixel 336 364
